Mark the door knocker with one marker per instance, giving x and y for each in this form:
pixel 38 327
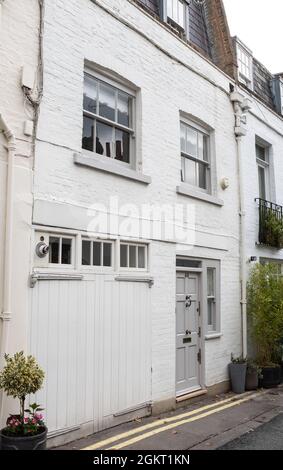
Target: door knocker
pixel 188 300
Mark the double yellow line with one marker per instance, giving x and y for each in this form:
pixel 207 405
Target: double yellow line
pixel 146 431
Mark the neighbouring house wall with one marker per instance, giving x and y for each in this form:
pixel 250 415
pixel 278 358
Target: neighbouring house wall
pixel 18 47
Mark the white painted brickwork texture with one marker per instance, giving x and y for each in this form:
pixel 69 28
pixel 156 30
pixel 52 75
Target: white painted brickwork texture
pixel 78 32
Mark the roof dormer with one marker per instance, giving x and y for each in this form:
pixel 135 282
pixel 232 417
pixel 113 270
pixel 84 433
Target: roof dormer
pixel 245 63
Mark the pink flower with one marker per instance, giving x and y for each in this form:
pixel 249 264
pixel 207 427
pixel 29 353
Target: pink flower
pixel 38 416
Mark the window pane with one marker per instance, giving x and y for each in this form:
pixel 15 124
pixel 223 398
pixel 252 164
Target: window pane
pixel 181 13
pixel 124 256
pixel 54 248
pixel 86 253
pixel 175 10
pixel 190 171
pixel 122 141
pixel 90 94
pixel 88 127
pixel 124 101
pixel 66 251
pixel 211 313
pixel 170 8
pixel 107 248
pixel 260 153
pixel 133 256
pixel 261 180
pixel 202 176
pixel 183 138
pixel 96 254
pixel 192 142
pixel 104 139
pixel 211 282
pixel 107 101
pixel 141 257
pixel 203 147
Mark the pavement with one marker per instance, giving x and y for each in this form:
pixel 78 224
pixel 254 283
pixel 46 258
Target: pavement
pixel 253 420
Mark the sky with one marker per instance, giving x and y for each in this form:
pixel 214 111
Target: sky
pixel 258 23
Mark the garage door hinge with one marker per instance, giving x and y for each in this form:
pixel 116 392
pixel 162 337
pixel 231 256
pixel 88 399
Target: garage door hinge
pixel 199 356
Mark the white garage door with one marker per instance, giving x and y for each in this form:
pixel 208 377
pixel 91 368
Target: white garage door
pixel 93 339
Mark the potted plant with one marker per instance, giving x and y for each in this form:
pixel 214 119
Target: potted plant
pixel 253 375
pixel 237 370
pixel 26 431
pixel 265 310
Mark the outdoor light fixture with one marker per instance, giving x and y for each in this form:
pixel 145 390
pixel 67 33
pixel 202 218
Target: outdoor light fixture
pixel 253 259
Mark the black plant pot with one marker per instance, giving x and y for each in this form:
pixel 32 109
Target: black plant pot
pixel 282 372
pixel 238 377
pixel 37 442
pixel 252 381
pixel 271 377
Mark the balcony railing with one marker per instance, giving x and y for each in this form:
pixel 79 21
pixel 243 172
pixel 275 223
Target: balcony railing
pixel 270 224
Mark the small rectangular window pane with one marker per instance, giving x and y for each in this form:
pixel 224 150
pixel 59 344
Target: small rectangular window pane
pixel 260 153
pixel 211 313
pixel 183 138
pixel 133 256
pixel 190 171
pixel 170 8
pixel 202 176
pixel 90 94
pixel 88 129
pixel 141 257
pixel 211 282
pixel 54 250
pixel 124 256
pixel 104 139
pixel 66 251
pixel 107 101
pixel 261 180
pixel 86 250
pixel 96 254
pixel 124 102
pixel 107 249
pixel 122 143
pixel 180 13
pixel 192 142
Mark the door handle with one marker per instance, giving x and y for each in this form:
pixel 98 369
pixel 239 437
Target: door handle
pixel 188 332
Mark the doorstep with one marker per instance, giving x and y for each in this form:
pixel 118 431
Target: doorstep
pixel 191 395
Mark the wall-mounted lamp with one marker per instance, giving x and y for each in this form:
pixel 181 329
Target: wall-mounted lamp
pixel 253 259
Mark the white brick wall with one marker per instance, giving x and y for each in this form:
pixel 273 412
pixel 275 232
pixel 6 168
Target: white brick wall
pixel 75 33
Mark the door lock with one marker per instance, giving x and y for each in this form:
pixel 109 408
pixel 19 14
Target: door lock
pixel 188 300
pixel 188 332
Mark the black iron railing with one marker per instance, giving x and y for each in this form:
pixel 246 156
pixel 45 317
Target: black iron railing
pixel 270 223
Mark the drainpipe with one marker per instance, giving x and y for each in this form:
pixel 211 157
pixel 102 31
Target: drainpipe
pixel 240 106
pixel 6 313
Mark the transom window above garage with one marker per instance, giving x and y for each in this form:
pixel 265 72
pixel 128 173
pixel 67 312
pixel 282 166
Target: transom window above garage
pixel 108 127
pixel 97 253
pixel 60 250
pixel 133 256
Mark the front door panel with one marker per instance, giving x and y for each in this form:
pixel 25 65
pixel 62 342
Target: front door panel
pixel 187 330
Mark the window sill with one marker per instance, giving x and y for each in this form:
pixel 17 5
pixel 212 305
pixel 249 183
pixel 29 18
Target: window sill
pixel 92 161
pixel 186 190
pixel 212 336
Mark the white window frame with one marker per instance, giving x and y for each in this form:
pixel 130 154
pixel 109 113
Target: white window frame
pixel 73 247
pixel 265 165
pixel 281 95
pixel 101 267
pixel 170 19
pixel 137 245
pixel 216 266
pixel 242 50
pixel 132 124
pixel 200 130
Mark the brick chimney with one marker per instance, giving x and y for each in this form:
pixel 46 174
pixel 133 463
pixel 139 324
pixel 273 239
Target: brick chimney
pixel 222 50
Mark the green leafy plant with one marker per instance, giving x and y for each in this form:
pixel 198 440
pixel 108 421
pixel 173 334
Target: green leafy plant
pixel 238 360
pixel 20 377
pixel 273 229
pixel 265 310
pixel 253 367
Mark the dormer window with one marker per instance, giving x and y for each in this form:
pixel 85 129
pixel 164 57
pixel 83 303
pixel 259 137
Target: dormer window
pixel 277 88
pixel 174 12
pixel 245 64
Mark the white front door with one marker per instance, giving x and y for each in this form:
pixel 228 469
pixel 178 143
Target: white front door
pixel 188 353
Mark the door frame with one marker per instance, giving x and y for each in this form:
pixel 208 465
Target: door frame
pixel 202 326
